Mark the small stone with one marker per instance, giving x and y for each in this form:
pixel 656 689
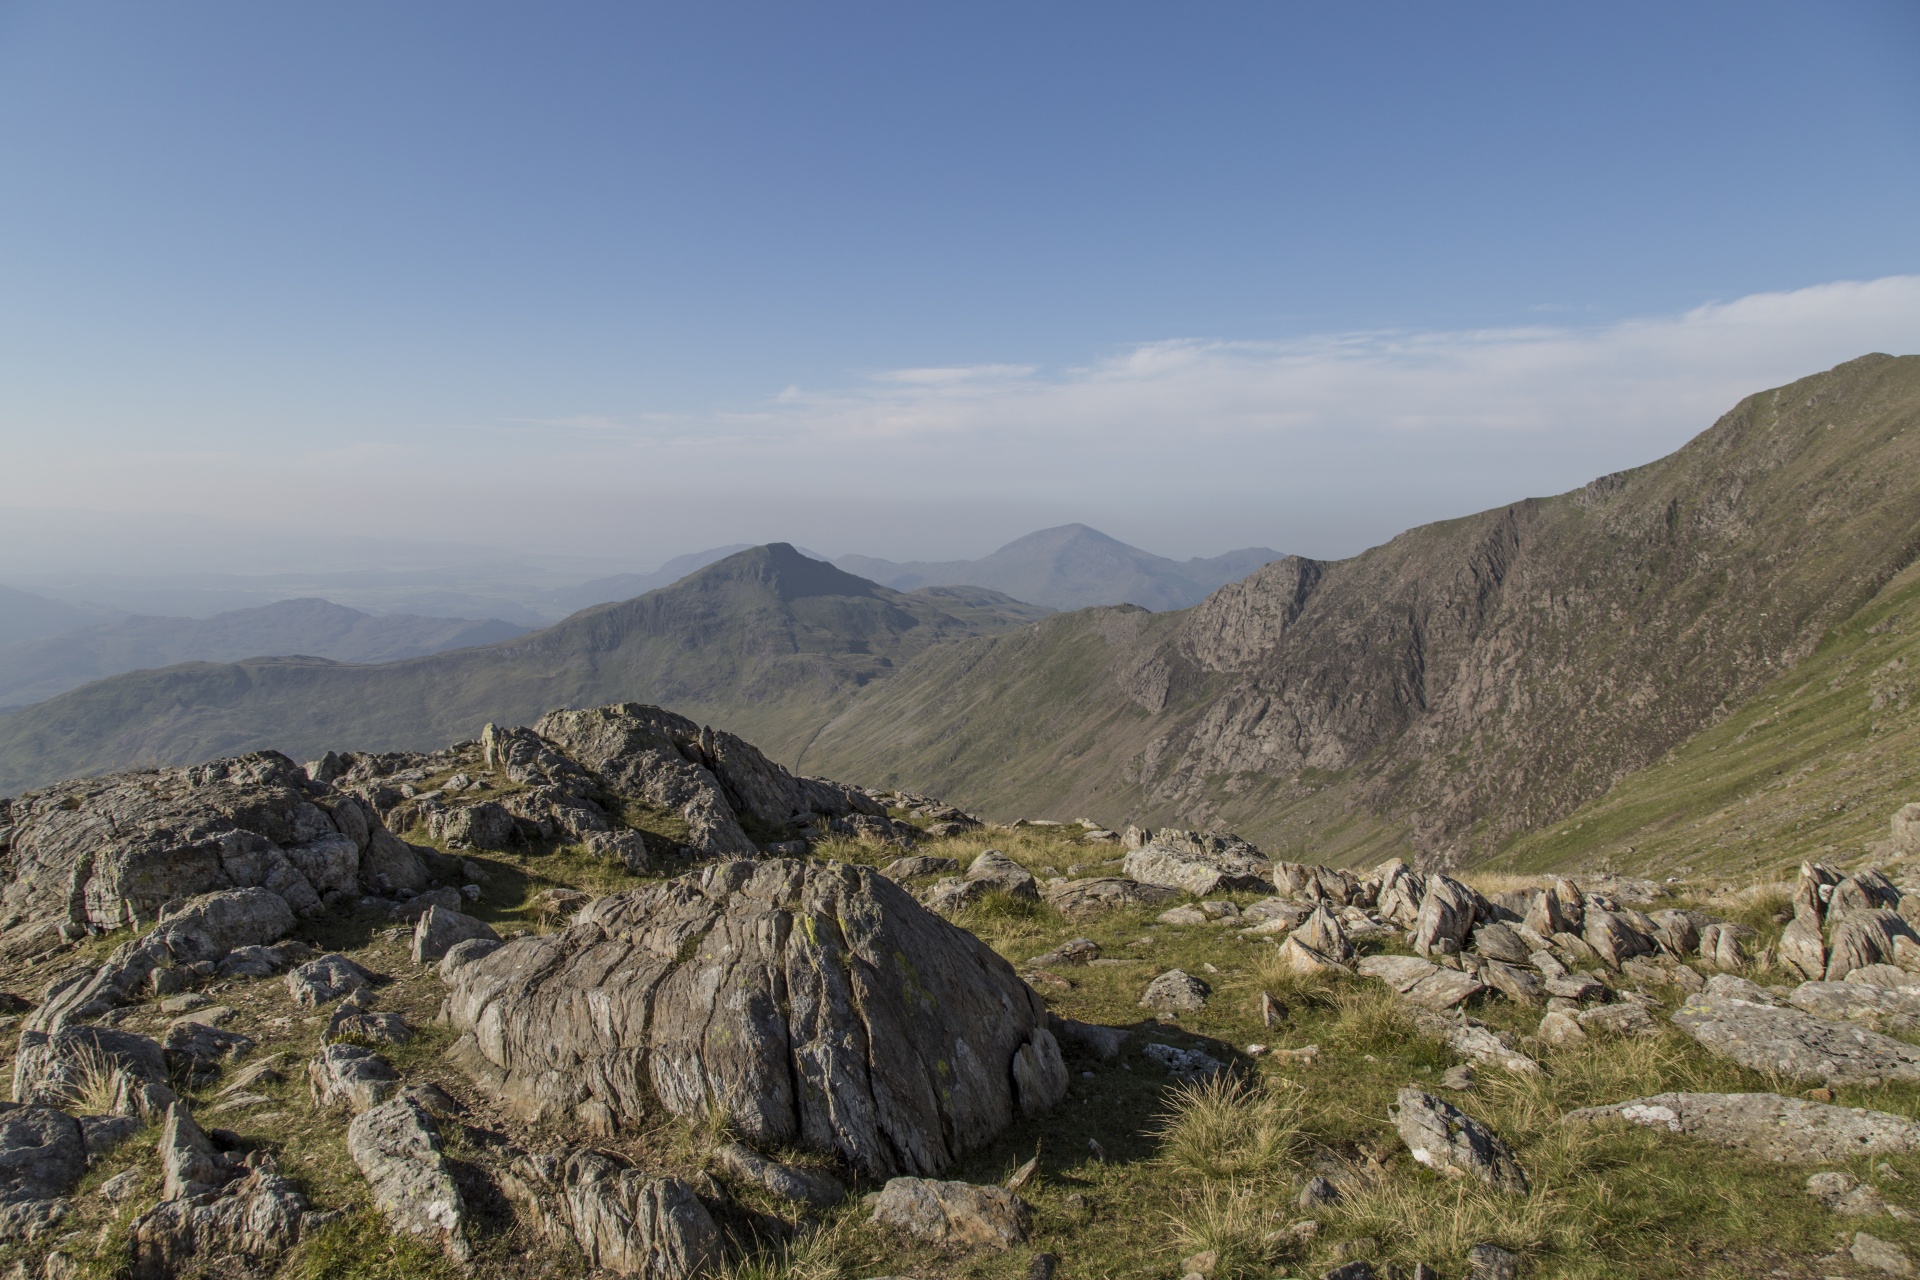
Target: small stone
pixel 1176 992
pixel 184 1003
pixel 1459 1077
pixel 1318 1193
pixel 1491 1262
pixel 1881 1255
pixel 953 1213
pixel 1449 1141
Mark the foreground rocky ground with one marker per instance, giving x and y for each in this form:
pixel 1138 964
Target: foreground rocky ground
pixel 617 992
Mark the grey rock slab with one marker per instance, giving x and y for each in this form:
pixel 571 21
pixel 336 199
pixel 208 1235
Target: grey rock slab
pixel 331 976
pixel 1890 1007
pixel 465 952
pixel 1447 1140
pixel 1789 1130
pixel 351 1075
pixel 1881 1255
pixel 1624 1019
pixel 953 1214
pixel 188 1162
pixel 43 1152
pixel 1083 899
pixel 194 1047
pixel 368 1028
pixel 1002 874
pixel 1176 991
pixel 1198 864
pixel 439 929
pixel 802 1186
pixel 622 1220
pixel 1794 1043
pixel 397 1150
pixel 1430 986
pixel 808 1002
pixel 1491 1262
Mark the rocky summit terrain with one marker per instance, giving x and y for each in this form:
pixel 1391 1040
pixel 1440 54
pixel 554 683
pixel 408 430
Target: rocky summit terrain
pixel 615 993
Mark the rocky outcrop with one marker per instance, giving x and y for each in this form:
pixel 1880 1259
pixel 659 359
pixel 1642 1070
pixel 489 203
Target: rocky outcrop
pixel 202 931
pixel 254 1219
pixel 113 852
pixel 1198 863
pixel 620 1219
pixel 397 1150
pixel 805 1002
pixel 1768 1125
pixel 712 780
pixel 351 1075
pixel 326 979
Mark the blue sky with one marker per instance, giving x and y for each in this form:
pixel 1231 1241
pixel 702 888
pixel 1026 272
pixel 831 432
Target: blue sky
pixel 1201 275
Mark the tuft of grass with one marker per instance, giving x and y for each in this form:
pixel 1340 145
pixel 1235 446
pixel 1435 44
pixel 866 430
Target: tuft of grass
pixel 1288 985
pixel 1228 1221
pixel 360 1246
pixel 1225 1127
pixel 95 1089
pixel 814 1255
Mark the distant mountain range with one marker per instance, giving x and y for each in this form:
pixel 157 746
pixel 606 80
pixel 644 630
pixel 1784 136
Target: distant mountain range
pixel 1071 567
pixel 35 669
pixel 1074 567
pixel 768 640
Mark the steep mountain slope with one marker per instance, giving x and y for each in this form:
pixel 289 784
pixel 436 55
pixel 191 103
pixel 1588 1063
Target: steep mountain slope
pixel 1073 567
pixel 1465 683
pixel 34 670
pixel 766 642
pixel 1808 769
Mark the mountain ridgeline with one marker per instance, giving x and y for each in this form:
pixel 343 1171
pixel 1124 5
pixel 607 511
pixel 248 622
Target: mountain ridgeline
pixel 767 639
pixel 1462 684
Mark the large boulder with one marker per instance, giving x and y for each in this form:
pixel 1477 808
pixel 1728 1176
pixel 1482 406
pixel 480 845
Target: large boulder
pixel 1198 863
pixel 620 1219
pixel 1445 919
pixel 803 1002
pixel 1770 1126
pixel 440 930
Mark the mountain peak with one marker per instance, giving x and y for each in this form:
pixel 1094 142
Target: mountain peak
pixel 781 566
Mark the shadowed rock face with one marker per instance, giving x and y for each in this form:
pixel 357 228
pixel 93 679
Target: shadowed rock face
pixel 813 1003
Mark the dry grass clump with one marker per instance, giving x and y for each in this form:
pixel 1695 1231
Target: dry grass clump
pixel 95 1088
pixel 1228 1221
pixel 814 1255
pixel 1227 1127
pixel 1371 1017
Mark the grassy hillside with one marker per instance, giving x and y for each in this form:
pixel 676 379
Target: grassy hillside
pixel 766 642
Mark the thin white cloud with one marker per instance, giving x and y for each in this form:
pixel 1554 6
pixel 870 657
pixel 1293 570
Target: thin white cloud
pixel 1187 446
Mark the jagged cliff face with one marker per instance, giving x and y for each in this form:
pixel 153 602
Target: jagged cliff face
pixel 1479 677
